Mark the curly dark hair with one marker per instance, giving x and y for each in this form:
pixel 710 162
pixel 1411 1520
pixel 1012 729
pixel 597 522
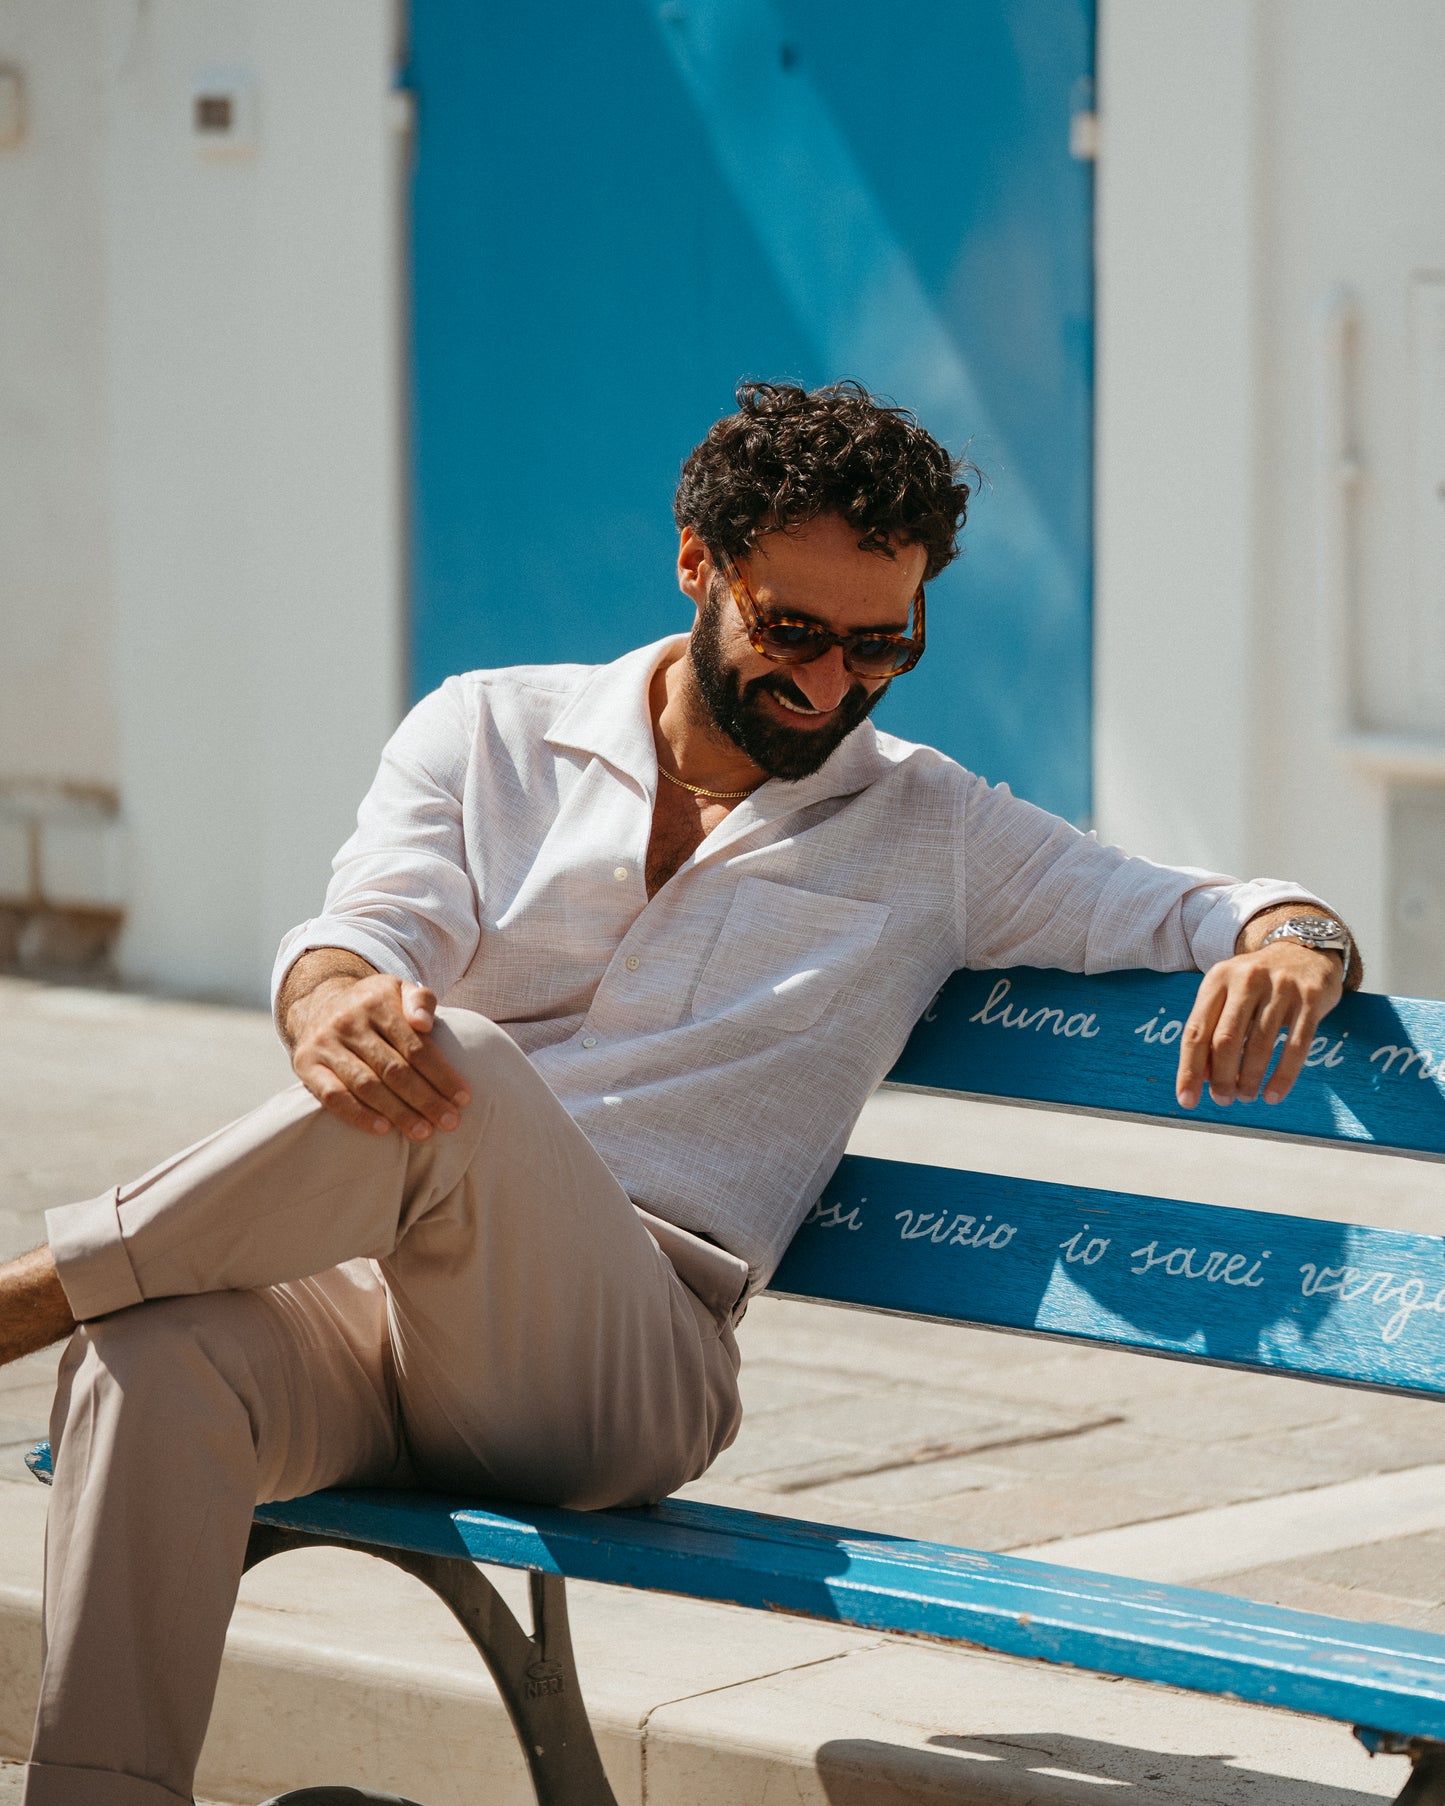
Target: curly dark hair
pixel 791 454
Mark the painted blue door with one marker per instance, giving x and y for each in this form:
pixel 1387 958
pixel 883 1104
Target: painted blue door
pixel 620 210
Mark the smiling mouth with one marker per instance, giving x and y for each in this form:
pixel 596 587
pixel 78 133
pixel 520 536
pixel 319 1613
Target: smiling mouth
pixel 794 708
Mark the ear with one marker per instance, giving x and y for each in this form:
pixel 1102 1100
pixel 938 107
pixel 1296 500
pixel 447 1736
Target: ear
pixel 693 567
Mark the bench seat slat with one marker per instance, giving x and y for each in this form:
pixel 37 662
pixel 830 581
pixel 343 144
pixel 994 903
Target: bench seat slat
pixel 1109 1042
pixel 1372 1674
pixel 1236 1288
pixel 1393 1680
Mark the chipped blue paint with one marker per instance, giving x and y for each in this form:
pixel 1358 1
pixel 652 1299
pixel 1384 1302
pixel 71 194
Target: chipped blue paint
pixel 1368 1674
pixel 1373 1674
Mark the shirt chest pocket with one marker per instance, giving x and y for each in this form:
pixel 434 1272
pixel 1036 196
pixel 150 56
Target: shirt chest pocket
pixel 783 953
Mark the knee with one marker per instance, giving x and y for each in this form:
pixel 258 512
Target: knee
pixel 131 1345
pixel 160 1357
pixel 482 1053
pixel 162 1388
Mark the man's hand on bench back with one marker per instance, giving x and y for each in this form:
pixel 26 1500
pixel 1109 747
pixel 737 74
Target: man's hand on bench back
pixel 361 1044
pixel 1245 1004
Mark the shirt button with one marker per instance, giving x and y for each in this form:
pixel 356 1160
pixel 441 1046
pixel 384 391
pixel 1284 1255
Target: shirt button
pixel 633 962
pixel 589 1040
pixel 621 873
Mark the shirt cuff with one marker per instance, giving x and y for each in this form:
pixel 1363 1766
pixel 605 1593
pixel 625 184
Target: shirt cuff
pixel 90 1258
pixel 327 931
pixel 1214 937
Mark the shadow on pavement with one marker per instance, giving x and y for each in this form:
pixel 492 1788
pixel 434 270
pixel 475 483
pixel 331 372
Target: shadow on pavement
pixel 1051 1768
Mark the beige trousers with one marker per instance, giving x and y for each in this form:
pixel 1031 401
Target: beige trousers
pixel 294 1304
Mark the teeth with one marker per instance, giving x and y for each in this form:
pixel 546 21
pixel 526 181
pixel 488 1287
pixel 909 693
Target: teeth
pixel 783 702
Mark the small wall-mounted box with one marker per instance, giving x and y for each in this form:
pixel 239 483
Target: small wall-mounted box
pixel 223 113
pixel 12 107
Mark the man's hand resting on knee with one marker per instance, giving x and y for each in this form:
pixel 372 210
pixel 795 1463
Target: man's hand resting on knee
pixel 361 1044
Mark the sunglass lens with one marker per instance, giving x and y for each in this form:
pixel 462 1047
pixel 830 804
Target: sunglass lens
pixel 792 641
pixel 878 658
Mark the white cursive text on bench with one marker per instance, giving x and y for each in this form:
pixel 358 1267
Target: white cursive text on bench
pixel 1321 1052
pixel 1232 1269
pixel 1081 1024
pixel 833 1216
pixel 1430 1065
pixel 962 1231
pixel 1350 1284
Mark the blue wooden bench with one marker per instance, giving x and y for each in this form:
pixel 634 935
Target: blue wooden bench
pixel 1345 1305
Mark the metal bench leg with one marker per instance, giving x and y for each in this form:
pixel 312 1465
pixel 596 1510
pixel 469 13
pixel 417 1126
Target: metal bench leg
pixel 1426 1785
pixel 535 1675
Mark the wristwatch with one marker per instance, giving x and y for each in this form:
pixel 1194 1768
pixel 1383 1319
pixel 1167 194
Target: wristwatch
pixel 1323 933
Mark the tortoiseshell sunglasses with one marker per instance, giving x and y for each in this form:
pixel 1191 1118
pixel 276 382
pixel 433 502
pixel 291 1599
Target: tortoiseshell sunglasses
pixel 794 640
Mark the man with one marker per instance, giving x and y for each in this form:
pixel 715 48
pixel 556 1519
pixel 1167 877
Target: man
pixel 601 982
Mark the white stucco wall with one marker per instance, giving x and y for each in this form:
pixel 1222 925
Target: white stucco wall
pixel 1259 703
pixel 205 379
pixel 256 444
pixel 58 719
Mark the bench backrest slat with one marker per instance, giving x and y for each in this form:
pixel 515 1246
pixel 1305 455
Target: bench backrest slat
pixel 1109 1042
pixel 1237 1288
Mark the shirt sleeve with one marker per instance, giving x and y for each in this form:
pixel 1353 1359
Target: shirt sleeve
pixel 1037 892
pixel 401 893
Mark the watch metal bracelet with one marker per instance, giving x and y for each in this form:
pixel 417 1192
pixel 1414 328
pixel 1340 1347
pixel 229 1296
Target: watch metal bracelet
pixel 1324 933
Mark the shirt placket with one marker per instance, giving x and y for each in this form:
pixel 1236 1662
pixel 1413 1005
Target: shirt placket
pixel 628 874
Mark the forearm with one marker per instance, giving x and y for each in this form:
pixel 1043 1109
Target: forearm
pixel 34 1310
pixel 313 969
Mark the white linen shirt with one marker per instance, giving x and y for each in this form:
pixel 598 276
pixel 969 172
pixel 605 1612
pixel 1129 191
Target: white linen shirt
pixel 717 1042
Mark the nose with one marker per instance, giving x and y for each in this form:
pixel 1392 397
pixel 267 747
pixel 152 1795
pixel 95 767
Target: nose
pixel 824 681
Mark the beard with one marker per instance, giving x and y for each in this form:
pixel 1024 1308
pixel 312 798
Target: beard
pixel 783 752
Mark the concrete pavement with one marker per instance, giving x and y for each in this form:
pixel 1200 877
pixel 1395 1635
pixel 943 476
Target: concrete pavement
pixel 12 1780
pixel 339 1668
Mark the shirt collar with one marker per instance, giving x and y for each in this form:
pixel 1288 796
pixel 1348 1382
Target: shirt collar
pixel 610 717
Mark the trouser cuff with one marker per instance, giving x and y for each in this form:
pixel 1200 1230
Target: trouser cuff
pixel 47 1785
pixel 95 1271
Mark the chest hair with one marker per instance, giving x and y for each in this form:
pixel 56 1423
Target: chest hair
pixel 680 824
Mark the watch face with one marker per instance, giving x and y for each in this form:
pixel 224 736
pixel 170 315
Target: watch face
pixel 1315 925
pixel 1320 932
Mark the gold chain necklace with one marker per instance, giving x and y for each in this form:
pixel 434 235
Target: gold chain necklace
pixel 717 796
